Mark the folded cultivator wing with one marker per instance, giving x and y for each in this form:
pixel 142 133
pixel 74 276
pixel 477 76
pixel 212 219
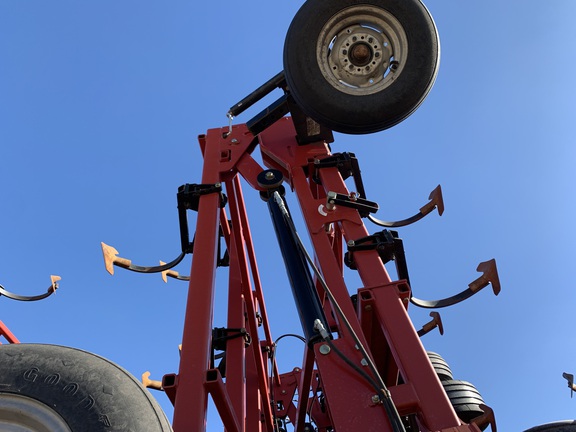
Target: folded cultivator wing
pixel 351 67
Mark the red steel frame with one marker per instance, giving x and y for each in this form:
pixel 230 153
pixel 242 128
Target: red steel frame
pixel 380 319
pixel 7 334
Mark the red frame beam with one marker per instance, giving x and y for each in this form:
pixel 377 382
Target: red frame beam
pixel 8 335
pixel 380 322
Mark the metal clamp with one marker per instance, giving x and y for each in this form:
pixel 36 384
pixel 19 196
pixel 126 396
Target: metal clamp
pixel 352 200
pixel 188 198
pixel 348 166
pixel 389 247
pixel 220 335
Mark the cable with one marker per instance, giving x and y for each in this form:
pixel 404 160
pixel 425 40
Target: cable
pixel 378 383
pixel 289 334
pixel 272 359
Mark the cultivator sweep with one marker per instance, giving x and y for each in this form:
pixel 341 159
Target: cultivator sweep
pixel 352 67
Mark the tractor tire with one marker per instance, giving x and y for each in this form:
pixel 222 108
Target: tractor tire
pixel 50 388
pixel 561 426
pixel 360 67
pixel 440 366
pixel 465 399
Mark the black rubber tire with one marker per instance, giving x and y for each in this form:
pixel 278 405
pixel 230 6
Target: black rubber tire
pixel 464 398
pixel 330 104
pixel 561 426
pixel 440 366
pixel 90 393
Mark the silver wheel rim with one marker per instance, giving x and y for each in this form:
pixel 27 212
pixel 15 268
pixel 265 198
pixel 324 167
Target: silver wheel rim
pixel 362 50
pixel 24 414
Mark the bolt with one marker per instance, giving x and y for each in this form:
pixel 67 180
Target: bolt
pixel 270 175
pixel 363 362
pixel 234 141
pixel 351 243
pixel 283 392
pixel 376 399
pixel 324 349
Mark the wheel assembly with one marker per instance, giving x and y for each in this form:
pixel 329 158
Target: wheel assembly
pixel 360 68
pixel 440 366
pixel 465 399
pixel 561 426
pixel 49 388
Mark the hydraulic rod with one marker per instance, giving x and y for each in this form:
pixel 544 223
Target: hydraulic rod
pixel 303 288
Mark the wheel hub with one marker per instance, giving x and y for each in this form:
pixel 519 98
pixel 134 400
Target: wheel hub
pixel 362 50
pixel 23 414
pixel 360 54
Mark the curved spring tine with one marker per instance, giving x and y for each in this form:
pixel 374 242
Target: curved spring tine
pixel 436 201
pixel 111 259
pixel 449 301
pixel 51 290
pixel 489 276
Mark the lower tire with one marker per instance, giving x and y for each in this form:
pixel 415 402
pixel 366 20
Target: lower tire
pixel 465 399
pixel 561 426
pixel 440 366
pixel 50 388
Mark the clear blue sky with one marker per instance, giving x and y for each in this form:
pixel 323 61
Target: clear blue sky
pixel 100 105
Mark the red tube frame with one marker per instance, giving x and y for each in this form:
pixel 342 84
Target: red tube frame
pixel 380 320
pixel 8 335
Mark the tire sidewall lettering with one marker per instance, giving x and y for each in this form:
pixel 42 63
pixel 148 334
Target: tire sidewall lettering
pixel 72 390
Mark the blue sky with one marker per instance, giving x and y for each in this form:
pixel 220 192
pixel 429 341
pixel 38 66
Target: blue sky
pixel 100 105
